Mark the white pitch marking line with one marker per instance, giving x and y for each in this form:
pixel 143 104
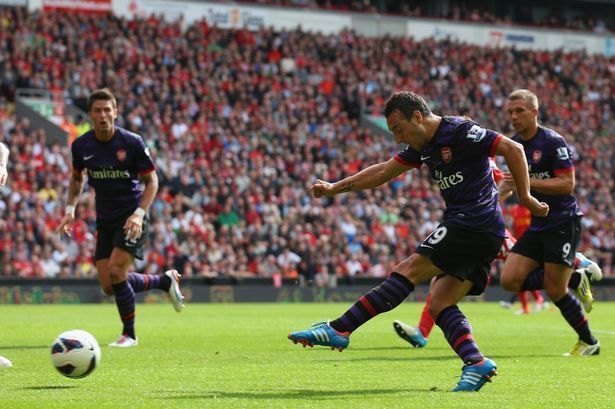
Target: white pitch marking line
pixel 599 331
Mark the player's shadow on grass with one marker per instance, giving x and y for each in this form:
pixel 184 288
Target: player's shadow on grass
pixel 2 347
pixel 521 356
pixel 448 356
pixel 399 348
pixel 49 387
pixel 412 358
pixel 312 394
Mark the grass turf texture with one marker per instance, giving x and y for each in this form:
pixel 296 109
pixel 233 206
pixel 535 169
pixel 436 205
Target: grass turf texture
pixel 237 355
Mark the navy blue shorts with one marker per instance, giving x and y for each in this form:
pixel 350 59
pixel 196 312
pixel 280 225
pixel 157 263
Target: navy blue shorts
pixel 110 235
pixel 462 253
pixel 557 245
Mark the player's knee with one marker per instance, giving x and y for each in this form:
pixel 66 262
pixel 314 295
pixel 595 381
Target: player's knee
pixel 555 292
pixel 510 283
pixel 116 273
pixel 413 268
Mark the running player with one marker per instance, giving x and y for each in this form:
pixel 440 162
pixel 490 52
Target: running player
pixel 550 242
pixel 116 161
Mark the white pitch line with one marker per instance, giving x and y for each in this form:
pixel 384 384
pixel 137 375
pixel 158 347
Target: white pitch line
pixel 599 331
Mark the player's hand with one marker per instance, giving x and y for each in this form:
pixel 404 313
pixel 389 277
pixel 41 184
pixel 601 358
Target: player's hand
pixel 133 228
pixel 66 224
pixel 538 209
pixel 508 183
pixel 3 175
pixel 322 188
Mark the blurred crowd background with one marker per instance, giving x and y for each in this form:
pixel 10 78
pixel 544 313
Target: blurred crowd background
pixel 240 123
pixel 587 15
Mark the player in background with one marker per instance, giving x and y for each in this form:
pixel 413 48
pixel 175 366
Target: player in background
pixel 418 336
pixel 549 242
pixel 116 161
pixel 4 161
pixel 460 250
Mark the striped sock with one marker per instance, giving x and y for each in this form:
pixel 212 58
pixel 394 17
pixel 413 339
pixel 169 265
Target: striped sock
pixel 535 280
pixel 458 333
pixel 426 323
pixel 145 282
pixel 572 311
pixel 125 300
pixel 382 298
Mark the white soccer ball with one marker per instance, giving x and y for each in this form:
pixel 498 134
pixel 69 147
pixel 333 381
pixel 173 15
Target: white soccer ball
pixel 75 353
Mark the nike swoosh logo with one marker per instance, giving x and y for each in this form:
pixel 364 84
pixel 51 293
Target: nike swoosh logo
pixel 88 157
pixel 425 157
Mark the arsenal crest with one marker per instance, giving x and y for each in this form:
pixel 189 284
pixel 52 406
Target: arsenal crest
pixel 536 155
pixel 447 154
pixel 121 155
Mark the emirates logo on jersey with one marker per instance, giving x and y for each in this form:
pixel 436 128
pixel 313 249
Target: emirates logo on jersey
pixel 121 155
pixel 536 155
pixel 447 155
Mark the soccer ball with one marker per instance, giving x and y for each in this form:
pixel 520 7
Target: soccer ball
pixel 75 353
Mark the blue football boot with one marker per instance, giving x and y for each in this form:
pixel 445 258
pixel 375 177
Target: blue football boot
pixel 321 333
pixel 410 334
pixel 473 377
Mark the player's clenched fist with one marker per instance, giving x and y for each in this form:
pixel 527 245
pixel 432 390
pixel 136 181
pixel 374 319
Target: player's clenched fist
pixel 538 209
pixel 322 188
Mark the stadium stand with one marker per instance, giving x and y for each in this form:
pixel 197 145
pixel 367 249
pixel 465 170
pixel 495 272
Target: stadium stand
pixel 595 16
pixel 240 122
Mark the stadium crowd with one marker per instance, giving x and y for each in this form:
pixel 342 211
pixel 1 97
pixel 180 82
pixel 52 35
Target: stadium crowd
pixel 562 16
pixel 240 123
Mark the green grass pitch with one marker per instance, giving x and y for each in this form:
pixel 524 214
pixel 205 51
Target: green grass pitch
pixel 237 356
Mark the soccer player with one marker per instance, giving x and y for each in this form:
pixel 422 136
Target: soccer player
pixel 550 242
pixel 4 161
pixel 116 162
pixel 459 251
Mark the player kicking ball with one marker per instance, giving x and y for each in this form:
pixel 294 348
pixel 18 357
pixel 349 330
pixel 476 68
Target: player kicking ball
pixel 117 163
pixel 460 250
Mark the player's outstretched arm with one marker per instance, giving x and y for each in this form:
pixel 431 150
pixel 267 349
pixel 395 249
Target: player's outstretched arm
pixel 517 164
pixel 368 178
pixel 75 187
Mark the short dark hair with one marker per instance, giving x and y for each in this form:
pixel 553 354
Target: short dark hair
pixel 406 102
pixel 103 94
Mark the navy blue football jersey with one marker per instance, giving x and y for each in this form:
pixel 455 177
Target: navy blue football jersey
pixel 113 170
pixel 547 155
pixel 458 160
